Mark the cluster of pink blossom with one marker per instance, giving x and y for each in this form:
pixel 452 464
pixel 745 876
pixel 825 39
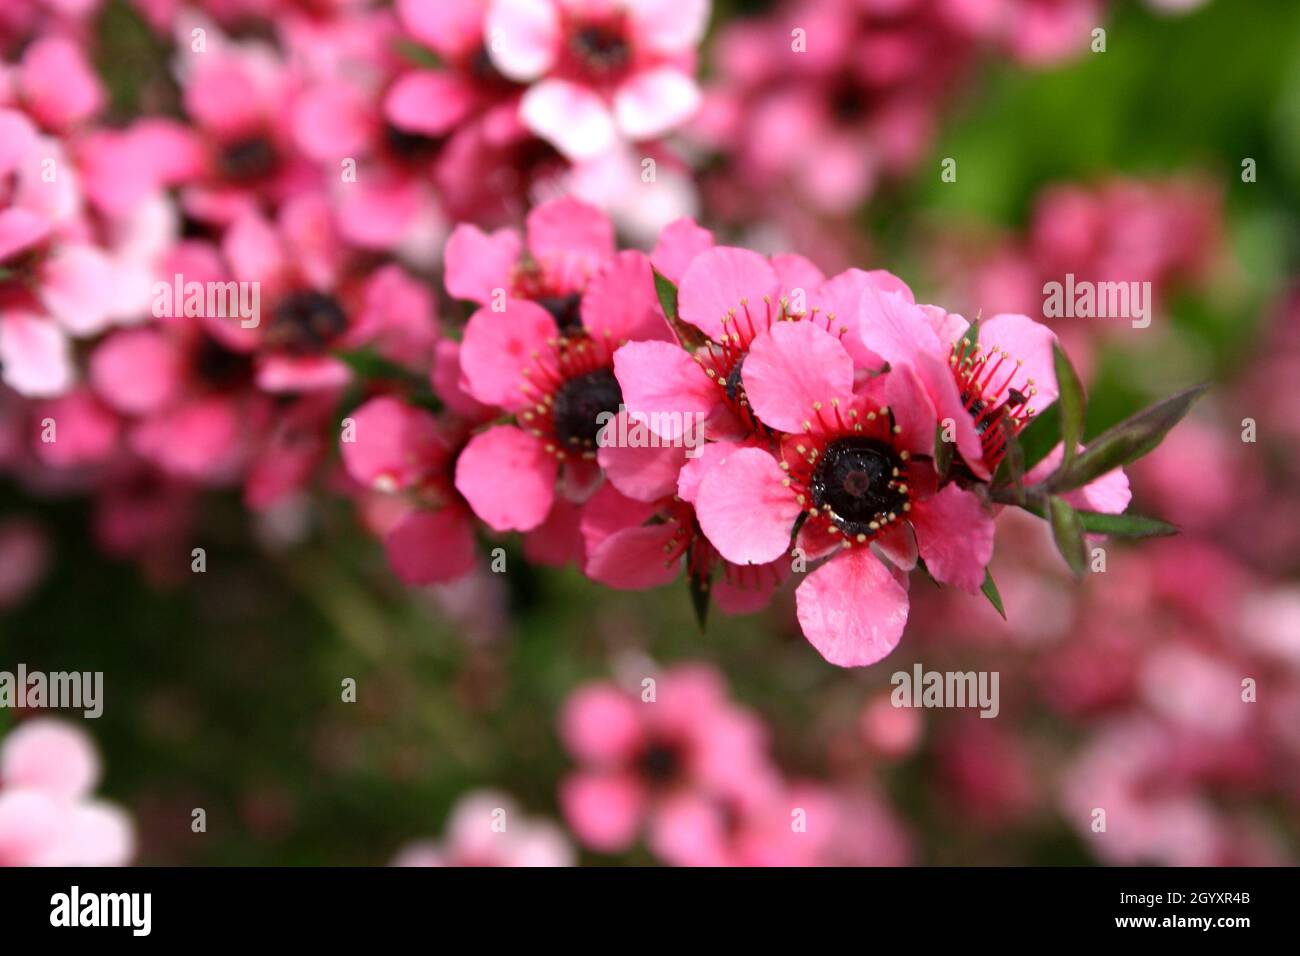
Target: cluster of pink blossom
pixel 827 98
pixel 679 763
pixel 313 158
pixel 1164 231
pixel 824 409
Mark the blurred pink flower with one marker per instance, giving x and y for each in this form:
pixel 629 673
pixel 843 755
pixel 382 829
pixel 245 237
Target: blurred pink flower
pixel 599 70
pixel 666 765
pixel 486 828
pixel 47 818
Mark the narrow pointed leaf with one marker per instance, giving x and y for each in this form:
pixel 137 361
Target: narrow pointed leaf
pixel 1124 526
pixel 687 335
pixel 1067 530
pixel 990 590
pixel 1071 404
pixel 1126 442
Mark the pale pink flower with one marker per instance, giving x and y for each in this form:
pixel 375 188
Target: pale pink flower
pixel 487 828
pixel 599 70
pixel 48 769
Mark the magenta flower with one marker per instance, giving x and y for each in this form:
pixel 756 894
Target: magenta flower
pixel 544 353
pixel 733 297
pixel 400 451
pixel 987 390
pixel 599 70
pixel 856 470
pixel 661 764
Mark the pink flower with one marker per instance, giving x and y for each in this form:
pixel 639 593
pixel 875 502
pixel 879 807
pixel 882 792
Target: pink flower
pixel 984 390
pixel 662 763
pixel 632 544
pixel 599 70
pixel 399 450
pixel 542 348
pixel 47 818
pixel 849 465
pixel 487 828
pixel 733 297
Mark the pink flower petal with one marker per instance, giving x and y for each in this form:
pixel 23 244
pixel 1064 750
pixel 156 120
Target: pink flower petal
pixel 499 346
pixel 331 121
pixel 603 810
pixel 429 546
pixel 955 537
pixel 601 724
pixel 569 237
pixel 664 386
pixel 49 755
pixel 523 37
pixel 572 118
pixel 394 445
pixel 136 371
pixel 479 263
pixel 668 26
pixel 717 282
pixel 644 473
pixel 35 357
pixel 430 102
pixel 508 478
pixel 634 559
pixel 620 303
pixel 57 83
pixel 678 244
pixel 744 508
pixel 792 367
pixel 655 102
pixel 76 280
pixel 852 609
pixel 451 27
pixel 1029 343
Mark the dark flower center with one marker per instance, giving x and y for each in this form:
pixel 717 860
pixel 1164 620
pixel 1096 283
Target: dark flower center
pixel 408 146
pixel 600 48
pixel 565 309
pixel 579 401
pixel 660 762
pixel 848 102
pixel 861 479
pixel 219 367
pixel 306 323
pixel 734 385
pixel 248 159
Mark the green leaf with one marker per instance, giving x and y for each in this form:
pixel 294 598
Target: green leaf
pixel 700 591
pixel 991 592
pixel 1071 403
pixel 1124 526
pixel 667 292
pixel 1041 435
pixel 1126 442
pixel 1067 530
pixel 688 336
